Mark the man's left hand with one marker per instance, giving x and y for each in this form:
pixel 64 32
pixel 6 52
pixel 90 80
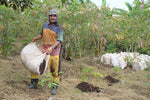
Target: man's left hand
pixel 49 50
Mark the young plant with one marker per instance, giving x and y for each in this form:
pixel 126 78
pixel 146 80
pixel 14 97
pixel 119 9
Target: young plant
pixel 86 72
pixel 121 76
pixel 48 80
pixel 129 59
pixel 116 69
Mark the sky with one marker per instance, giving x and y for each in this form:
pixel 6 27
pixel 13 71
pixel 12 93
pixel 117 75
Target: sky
pixel 114 3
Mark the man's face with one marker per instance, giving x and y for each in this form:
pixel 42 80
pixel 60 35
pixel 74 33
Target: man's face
pixel 53 18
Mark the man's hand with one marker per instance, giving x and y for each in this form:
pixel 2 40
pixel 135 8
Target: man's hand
pixel 49 50
pixel 34 39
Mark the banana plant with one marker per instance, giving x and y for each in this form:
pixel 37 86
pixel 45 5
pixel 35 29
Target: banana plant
pixel 132 10
pixel 103 3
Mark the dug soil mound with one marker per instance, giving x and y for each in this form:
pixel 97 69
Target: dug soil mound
pixel 86 87
pixel 111 79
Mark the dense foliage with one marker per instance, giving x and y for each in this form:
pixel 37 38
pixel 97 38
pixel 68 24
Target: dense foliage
pixel 87 29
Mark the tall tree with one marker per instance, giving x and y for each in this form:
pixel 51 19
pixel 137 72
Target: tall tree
pixel 4 2
pixel 18 5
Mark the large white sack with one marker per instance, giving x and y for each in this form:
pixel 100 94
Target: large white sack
pixel 122 60
pixel 33 59
pixel 122 63
pixel 139 65
pixel 114 60
pixel 146 58
pixel 141 62
pixel 105 59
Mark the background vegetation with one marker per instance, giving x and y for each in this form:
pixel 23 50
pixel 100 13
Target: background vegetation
pixel 87 29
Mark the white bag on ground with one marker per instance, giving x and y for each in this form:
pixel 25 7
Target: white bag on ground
pixel 122 59
pixel 114 60
pixel 122 63
pixel 136 65
pixel 105 59
pixel 141 62
pixel 33 59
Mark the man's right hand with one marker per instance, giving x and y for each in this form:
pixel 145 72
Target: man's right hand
pixel 34 39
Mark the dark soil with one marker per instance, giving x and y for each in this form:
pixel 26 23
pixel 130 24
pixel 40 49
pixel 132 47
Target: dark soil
pixel 111 79
pixel 86 87
pixel 42 67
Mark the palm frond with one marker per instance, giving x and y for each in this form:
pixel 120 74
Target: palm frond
pixel 103 3
pixel 129 6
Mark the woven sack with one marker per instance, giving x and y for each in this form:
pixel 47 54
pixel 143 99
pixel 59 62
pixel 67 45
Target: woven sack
pixel 33 59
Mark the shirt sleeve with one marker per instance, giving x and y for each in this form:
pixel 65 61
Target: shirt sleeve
pixel 60 34
pixel 42 30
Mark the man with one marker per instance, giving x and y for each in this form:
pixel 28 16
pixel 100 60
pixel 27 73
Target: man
pixel 52 37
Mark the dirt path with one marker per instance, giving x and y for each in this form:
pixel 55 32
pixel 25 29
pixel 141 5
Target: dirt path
pixel 14 77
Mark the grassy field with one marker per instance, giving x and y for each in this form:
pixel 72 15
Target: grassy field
pixel 132 85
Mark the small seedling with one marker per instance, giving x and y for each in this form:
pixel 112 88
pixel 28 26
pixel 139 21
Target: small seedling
pixel 116 69
pixel 48 80
pixel 121 76
pixel 89 71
